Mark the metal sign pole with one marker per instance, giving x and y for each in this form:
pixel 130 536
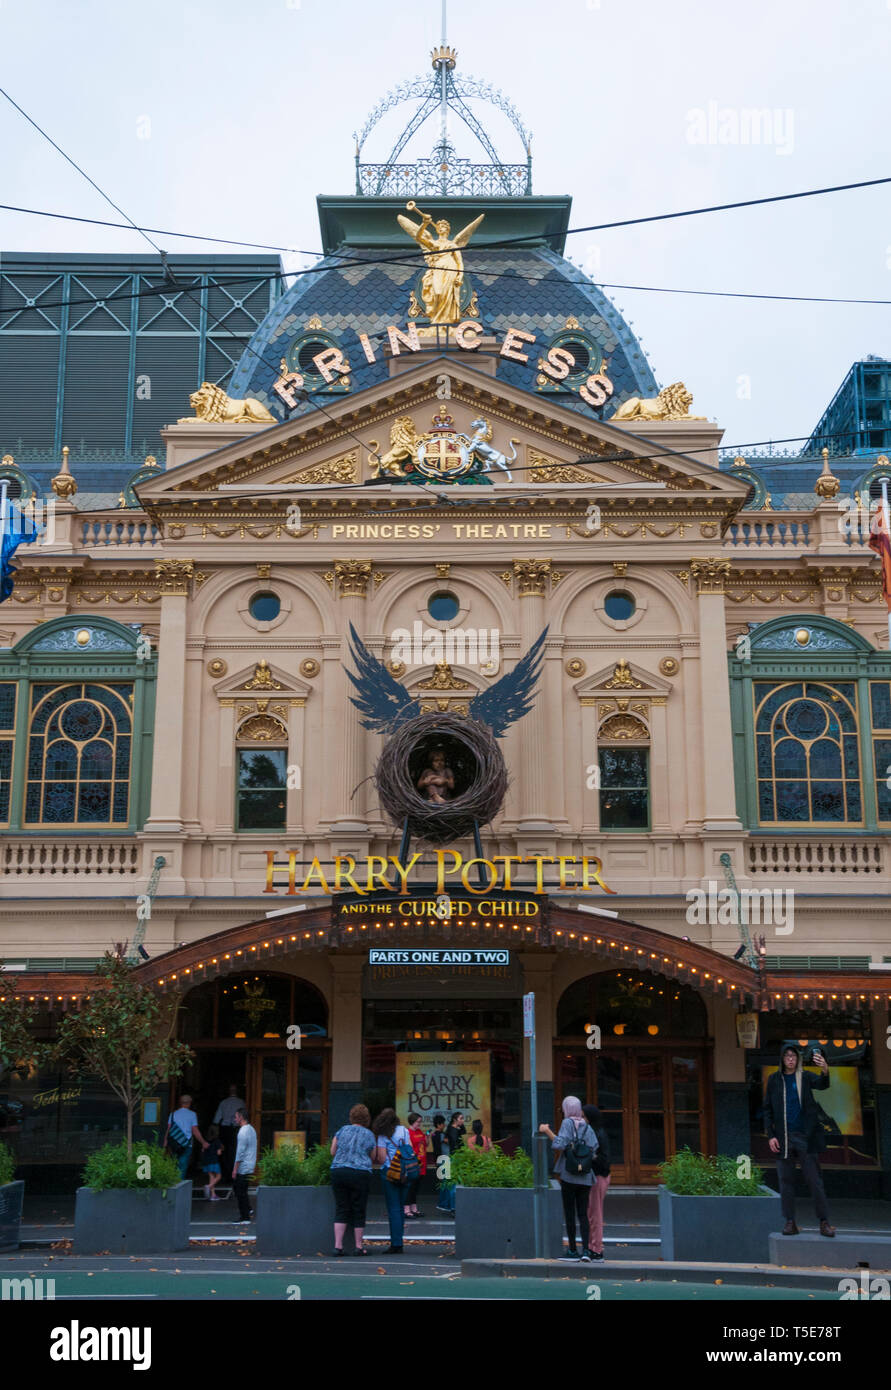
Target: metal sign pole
pixel 538 1178
pixel 887 521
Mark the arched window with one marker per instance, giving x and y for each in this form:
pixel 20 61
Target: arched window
pixel 77 700
pixel 624 767
pixel 807 749
pixel 79 746
pixel 631 1003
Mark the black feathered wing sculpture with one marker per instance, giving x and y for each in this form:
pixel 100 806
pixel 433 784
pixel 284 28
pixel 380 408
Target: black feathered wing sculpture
pixel 510 697
pixel 385 704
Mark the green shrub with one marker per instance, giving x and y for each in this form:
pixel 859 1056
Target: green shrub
pixel 701 1175
pixel 284 1167
pixel 110 1168
pixel 7 1164
pixel 492 1169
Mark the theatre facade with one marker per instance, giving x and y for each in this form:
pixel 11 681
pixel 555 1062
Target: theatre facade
pixel 704 760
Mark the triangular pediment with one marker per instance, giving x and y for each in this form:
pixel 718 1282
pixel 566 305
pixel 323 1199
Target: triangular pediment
pixel 618 679
pixel 261 680
pixel 547 447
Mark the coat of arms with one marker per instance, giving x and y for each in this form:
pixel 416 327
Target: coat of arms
pixel 442 455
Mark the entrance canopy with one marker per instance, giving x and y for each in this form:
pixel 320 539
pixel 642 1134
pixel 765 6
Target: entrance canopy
pixel 551 927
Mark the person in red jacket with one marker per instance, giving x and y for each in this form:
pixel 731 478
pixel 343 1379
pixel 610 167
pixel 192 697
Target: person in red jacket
pixel 419 1144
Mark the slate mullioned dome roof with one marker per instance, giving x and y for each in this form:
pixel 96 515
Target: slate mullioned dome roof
pixel 531 288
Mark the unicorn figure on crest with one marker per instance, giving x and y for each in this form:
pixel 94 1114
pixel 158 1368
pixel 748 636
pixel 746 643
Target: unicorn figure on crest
pixel 479 445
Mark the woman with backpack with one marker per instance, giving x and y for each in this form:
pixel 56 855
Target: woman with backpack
pixel 576 1144
pixel 600 1167
pixel 399 1167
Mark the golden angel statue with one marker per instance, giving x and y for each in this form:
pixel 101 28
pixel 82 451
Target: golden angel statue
pixel 444 276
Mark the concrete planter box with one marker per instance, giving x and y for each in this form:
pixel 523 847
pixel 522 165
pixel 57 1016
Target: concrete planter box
pixel 496 1223
pixel 732 1229
pixel 11 1195
pixel 126 1221
pixel 296 1220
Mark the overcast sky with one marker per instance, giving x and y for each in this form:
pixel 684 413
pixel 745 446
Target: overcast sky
pixel 228 118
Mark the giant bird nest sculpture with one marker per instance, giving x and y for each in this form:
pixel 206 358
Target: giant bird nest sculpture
pixel 471 755
pixel 441 774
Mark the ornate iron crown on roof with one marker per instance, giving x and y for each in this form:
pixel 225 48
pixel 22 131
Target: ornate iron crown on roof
pixel 443 172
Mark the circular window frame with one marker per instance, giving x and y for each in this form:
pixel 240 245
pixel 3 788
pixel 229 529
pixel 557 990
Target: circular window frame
pixel 459 618
pixel 259 594
pixel 619 624
pixel 258 624
pixel 444 593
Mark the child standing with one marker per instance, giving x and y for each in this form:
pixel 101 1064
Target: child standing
pixel 210 1162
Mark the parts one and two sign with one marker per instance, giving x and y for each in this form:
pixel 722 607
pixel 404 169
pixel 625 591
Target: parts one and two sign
pixel 439 956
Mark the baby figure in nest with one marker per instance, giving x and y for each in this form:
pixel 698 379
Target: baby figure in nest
pixel 437 783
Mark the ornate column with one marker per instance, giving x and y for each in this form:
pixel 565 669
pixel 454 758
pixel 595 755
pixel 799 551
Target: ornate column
pixel 660 812
pixel 531 579
pixel 296 756
pixel 349 579
pixel 719 800
pixel 174 578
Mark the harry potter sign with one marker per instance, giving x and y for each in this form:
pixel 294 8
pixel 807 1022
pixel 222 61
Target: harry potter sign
pixel 431 1083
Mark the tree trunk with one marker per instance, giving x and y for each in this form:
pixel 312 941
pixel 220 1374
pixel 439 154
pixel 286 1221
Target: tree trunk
pixel 129 1132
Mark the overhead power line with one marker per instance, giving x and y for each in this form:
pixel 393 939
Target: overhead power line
pixel 501 243
pixel 224 282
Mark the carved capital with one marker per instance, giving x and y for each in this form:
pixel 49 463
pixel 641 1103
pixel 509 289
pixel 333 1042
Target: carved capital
pixel 174 576
pixel 349 578
pixel 532 577
pixel 710 575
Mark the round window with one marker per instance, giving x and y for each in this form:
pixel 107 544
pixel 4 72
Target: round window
pixel 264 607
pixel 619 605
pixel 307 353
pixel 581 354
pixel 443 607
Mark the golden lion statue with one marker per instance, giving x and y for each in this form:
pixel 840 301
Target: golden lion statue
pixel 403 443
pixel 213 407
pixel 672 403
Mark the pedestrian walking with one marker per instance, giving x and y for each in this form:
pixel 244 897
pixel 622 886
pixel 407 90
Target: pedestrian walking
pixel 211 1164
pixel 575 1144
pixel 182 1129
pixel 244 1165
pixel 396 1157
pixel 600 1167
pixel 794 1132
pixel 418 1136
pixel 225 1118
pixel 352 1150
pixel 440 1145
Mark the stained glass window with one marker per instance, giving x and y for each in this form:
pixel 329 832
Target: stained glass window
pixel 880 708
pixel 7 729
pixel 807 753
pixel 79 755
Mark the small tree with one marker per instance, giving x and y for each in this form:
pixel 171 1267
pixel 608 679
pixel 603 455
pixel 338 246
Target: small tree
pixel 17 1043
pixel 123 1033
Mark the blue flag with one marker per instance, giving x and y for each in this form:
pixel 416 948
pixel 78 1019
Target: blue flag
pixel 15 529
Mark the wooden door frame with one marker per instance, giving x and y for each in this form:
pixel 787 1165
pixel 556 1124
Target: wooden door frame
pixel 631 1171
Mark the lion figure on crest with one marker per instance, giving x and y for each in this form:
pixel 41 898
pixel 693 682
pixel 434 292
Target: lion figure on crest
pixel 403 443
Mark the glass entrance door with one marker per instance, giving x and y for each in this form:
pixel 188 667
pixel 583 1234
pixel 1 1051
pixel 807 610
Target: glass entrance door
pixel 286 1091
pixel 654 1100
